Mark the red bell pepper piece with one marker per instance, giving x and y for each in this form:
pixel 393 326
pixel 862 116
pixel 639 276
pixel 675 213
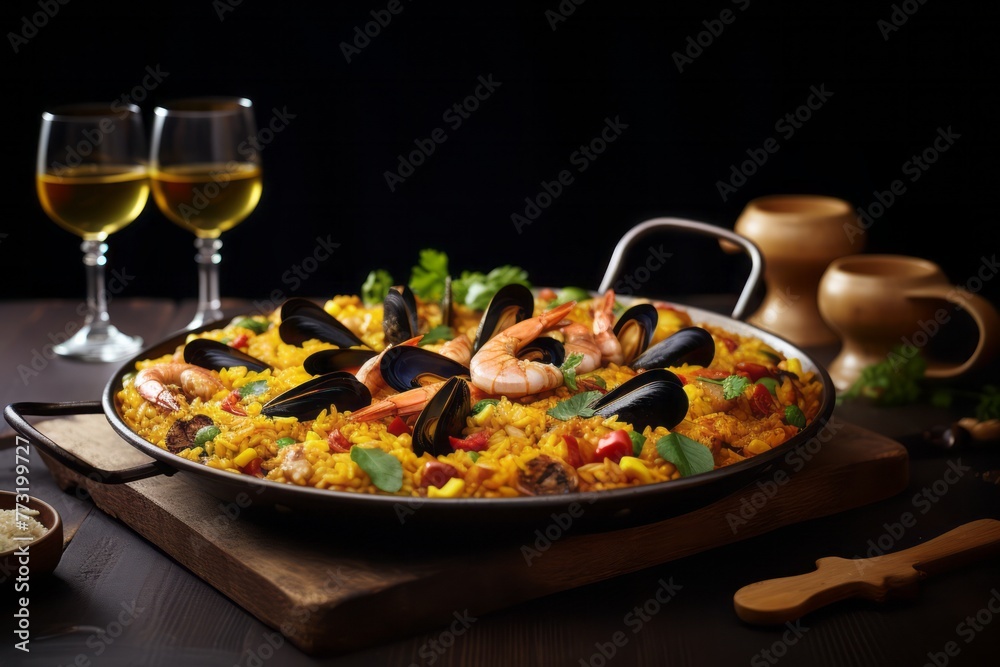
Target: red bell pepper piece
pixel 573 451
pixel 398 427
pixel 614 446
pixel 253 468
pixel 711 373
pixel 476 442
pixel 730 344
pixel 753 371
pixel 239 341
pixel 760 400
pixel 231 404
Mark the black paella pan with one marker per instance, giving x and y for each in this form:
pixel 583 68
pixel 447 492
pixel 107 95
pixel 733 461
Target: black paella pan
pixel 603 510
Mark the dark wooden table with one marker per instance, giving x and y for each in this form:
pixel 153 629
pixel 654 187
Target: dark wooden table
pixel 116 599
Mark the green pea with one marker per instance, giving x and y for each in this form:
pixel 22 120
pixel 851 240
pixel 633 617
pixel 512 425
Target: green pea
pixel 206 434
pixel 284 442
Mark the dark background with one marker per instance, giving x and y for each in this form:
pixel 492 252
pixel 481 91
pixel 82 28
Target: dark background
pixel 324 173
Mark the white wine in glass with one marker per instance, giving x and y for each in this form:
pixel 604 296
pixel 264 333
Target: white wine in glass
pixel 92 180
pixel 206 177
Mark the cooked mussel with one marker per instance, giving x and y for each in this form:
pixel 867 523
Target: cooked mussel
pixel 511 304
pixel 652 398
pixel 635 329
pixel 404 367
pixel 215 356
pixel 443 416
pixel 302 320
pixel 690 345
pixel 339 359
pixel 399 315
pixel 545 349
pixel 307 400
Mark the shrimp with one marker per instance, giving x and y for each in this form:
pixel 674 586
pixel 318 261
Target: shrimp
pixel 409 402
pixel 579 340
pixel 152 383
pixel 496 369
pixel 370 375
pixel 458 349
pixel 604 334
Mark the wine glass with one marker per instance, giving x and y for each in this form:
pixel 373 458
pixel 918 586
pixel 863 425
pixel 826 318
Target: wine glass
pixel 92 180
pixel 206 177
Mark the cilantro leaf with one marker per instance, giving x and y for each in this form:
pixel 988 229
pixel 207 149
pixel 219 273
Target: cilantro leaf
pixel 385 470
pixel 733 386
pixel 475 289
pixel 254 388
pixel 575 406
pixel 437 334
pixel 568 369
pixel 375 287
pixel 690 456
pixel 427 278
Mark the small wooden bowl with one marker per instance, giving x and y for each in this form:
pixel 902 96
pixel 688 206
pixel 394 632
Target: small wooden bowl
pixel 43 552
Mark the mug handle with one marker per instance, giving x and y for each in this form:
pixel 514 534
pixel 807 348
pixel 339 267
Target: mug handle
pixel 982 312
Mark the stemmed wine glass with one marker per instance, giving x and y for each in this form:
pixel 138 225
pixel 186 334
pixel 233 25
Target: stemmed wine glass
pixel 92 180
pixel 206 177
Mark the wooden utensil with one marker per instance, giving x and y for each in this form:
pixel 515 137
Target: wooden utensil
pixel 777 601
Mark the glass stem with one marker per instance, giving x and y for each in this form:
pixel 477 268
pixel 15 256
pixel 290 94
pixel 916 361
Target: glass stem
pixel 97 320
pixel 208 258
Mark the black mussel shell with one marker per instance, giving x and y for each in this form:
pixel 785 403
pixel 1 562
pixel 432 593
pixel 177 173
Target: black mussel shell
pixel 511 304
pixel 443 416
pixel 302 320
pixel 545 349
pixel 215 356
pixel 635 328
pixel 306 401
pixel 399 315
pixel 652 398
pixel 340 359
pixel 404 367
pixel 691 345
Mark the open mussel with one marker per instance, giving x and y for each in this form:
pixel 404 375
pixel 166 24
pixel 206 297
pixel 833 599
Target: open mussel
pixel 405 367
pixel 652 398
pixel 443 416
pixel 307 400
pixel 339 359
pixel 545 349
pixel 690 345
pixel 511 304
pixel 635 329
pixel 215 356
pixel 303 320
pixel 399 315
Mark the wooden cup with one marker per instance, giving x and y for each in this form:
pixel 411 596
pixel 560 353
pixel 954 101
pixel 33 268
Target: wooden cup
pixel 799 235
pixel 879 302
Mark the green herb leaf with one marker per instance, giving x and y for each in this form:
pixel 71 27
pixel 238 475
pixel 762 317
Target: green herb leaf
pixel 256 326
pixel 375 287
pixel 690 456
pixel 284 442
pixel 638 440
pixel 568 369
pixel 254 388
pixel 385 470
pixel 567 294
pixel 894 381
pixel 574 406
pixel 206 434
pixel 475 289
pixel 474 456
pixel 427 278
pixel 770 383
pixel 733 386
pixel 437 334
pixel 794 416
pixel 481 405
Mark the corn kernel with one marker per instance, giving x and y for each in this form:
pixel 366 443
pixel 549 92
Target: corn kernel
pixel 758 446
pixel 312 435
pixel 245 457
pixel 452 489
pixel 635 469
pixel 795 366
pixel 484 415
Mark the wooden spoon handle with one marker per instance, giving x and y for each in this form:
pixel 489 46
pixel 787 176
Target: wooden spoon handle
pixel 781 600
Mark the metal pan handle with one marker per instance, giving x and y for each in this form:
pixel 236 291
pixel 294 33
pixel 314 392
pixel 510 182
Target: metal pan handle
pixel 14 412
pixel 705 229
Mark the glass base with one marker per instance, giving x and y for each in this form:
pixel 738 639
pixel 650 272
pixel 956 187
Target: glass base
pixel 109 345
pixel 201 319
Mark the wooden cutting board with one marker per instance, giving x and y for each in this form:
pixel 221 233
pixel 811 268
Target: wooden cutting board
pixel 319 580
